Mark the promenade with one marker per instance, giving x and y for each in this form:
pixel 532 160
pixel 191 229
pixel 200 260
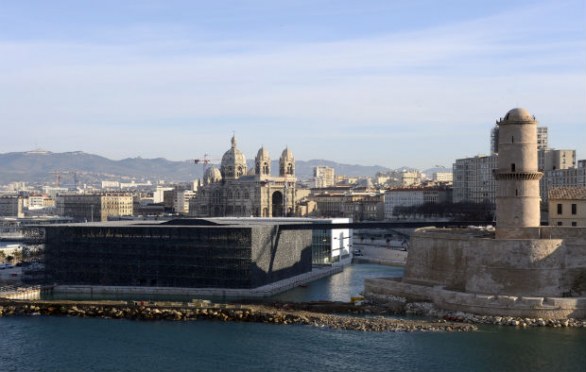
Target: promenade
pixel 265 291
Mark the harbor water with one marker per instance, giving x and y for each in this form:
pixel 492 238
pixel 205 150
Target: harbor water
pixel 90 344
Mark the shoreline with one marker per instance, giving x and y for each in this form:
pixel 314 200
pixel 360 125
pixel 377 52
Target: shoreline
pixel 284 314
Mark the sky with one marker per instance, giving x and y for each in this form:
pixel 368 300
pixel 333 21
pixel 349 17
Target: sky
pixel 394 83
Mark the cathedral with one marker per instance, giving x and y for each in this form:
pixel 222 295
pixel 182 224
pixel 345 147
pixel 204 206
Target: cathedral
pixel 235 191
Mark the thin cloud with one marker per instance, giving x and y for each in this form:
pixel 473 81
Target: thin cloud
pixel 437 79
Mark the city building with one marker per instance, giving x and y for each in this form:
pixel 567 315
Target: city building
pixel 571 177
pixel 442 177
pixel 411 197
pixel 410 178
pixel 323 176
pixel 567 206
pixel 181 201
pixel 159 194
pixel 233 190
pixel 11 206
pixel 474 180
pixel 94 207
pixel 360 206
pixel 35 202
pixel 553 159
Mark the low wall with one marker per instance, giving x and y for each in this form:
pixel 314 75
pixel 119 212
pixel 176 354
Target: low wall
pixel 228 293
pixel 393 291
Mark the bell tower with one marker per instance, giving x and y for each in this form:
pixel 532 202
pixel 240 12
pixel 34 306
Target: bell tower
pixel 517 176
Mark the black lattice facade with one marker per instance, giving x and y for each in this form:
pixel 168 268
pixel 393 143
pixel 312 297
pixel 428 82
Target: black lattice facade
pixel 175 256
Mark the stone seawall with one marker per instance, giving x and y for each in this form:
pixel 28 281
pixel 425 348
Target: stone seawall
pixel 239 313
pixel 398 294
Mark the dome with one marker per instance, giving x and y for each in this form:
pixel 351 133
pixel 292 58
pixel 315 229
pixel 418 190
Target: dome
pixel 233 162
pixel 212 175
pixel 519 114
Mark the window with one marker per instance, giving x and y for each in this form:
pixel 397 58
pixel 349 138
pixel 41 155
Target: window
pixel 574 208
pixel 560 209
pixel 513 167
pixel 559 223
pixel 574 223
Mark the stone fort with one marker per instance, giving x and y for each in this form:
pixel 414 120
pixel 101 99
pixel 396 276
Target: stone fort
pixel 519 269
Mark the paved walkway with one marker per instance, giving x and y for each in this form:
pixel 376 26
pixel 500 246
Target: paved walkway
pixel 380 255
pixel 225 293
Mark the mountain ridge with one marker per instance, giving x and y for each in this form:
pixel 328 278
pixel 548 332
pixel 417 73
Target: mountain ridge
pixel 42 166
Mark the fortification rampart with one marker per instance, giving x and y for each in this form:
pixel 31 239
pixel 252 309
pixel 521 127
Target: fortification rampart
pixel 460 260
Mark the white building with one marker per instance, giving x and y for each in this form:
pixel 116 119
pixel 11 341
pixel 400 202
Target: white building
pixel 412 197
pixel 446 177
pixel 401 198
pixel 474 180
pixel 323 176
pixel 159 194
pixel 181 201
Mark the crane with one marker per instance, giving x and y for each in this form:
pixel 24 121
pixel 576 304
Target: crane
pixel 204 161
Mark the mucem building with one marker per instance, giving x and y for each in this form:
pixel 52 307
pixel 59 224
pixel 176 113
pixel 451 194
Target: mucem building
pixel 189 253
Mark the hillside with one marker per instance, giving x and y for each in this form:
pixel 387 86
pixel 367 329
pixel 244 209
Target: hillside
pixel 44 167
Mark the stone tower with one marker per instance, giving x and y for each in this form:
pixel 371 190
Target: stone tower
pixel 517 176
pixel 262 163
pixel 287 164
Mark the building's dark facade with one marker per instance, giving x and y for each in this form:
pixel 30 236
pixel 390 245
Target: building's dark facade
pixel 175 255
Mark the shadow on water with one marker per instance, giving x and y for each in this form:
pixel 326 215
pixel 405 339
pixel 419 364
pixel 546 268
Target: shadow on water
pixel 341 286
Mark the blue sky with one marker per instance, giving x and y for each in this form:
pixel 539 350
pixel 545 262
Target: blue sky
pixel 391 83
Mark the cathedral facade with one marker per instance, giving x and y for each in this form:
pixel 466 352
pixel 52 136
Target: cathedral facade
pixel 233 190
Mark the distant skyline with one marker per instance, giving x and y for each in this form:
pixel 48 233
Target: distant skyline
pixel 390 83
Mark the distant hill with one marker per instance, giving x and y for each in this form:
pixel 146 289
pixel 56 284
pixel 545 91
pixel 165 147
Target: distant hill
pixel 79 167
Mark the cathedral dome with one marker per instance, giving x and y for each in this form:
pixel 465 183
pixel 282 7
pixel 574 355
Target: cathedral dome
pixel 519 115
pixel 233 162
pixel 212 175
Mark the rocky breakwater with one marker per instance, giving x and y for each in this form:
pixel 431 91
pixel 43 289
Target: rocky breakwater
pixel 427 309
pixel 248 313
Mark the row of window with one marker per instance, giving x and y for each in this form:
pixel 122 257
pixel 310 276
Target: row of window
pixel 560 209
pixel 574 223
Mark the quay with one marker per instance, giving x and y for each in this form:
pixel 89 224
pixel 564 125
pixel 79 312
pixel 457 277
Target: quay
pixel 261 292
pixel 33 292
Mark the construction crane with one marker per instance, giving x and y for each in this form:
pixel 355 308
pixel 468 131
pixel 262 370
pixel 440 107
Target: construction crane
pixel 204 161
pixel 59 174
